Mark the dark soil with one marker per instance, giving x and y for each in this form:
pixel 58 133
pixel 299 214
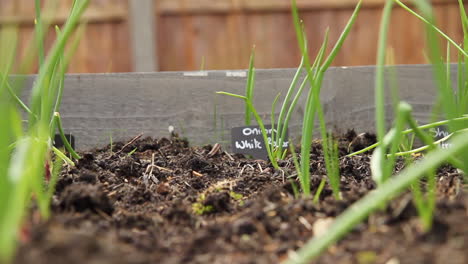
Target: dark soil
pixel 171 203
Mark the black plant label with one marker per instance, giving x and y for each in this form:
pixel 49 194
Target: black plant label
pixel 439 133
pixel 58 143
pixel 248 140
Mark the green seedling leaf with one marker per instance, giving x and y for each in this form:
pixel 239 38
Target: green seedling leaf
pixel 379 173
pixel 24 155
pixel 40 35
pixel 131 152
pixel 233 95
pixel 285 122
pixel 286 105
pixel 315 82
pixel 43 79
pixel 330 153
pixel 272 119
pixel 54 175
pixel 323 181
pixel 67 145
pixel 430 24
pixel 249 89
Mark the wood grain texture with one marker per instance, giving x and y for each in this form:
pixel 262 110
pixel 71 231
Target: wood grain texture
pixel 227 6
pixel 8 7
pixel 96 106
pixel 104 46
pixel 143 35
pixel 222 32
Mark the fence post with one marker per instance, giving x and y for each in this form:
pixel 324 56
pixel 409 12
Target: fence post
pixel 143 35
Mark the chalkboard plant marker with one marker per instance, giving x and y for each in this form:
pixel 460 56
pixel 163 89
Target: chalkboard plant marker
pixel 257 117
pixel 25 152
pixel 249 140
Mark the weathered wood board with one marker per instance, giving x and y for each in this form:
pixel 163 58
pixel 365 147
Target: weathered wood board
pixel 98 106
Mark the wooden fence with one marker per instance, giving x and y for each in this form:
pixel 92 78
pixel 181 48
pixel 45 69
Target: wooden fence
pixel 105 46
pixel 219 34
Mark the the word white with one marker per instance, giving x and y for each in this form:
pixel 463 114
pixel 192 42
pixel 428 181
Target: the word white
pixel 249 144
pixel 255 144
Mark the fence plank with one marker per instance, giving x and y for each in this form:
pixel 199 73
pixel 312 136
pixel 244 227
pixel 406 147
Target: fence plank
pixel 224 31
pixel 91 16
pixel 227 6
pixel 143 38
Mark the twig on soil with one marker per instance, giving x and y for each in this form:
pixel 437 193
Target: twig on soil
pixel 103 214
pixel 149 172
pixel 306 223
pixel 117 186
pixel 293 176
pixel 196 173
pixel 229 156
pixel 243 168
pixel 282 176
pixel 129 143
pixel 112 193
pixel 408 232
pixel 260 167
pixel 163 169
pixel 215 149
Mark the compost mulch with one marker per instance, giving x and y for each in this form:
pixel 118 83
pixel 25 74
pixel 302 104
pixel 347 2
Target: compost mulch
pixel 168 202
